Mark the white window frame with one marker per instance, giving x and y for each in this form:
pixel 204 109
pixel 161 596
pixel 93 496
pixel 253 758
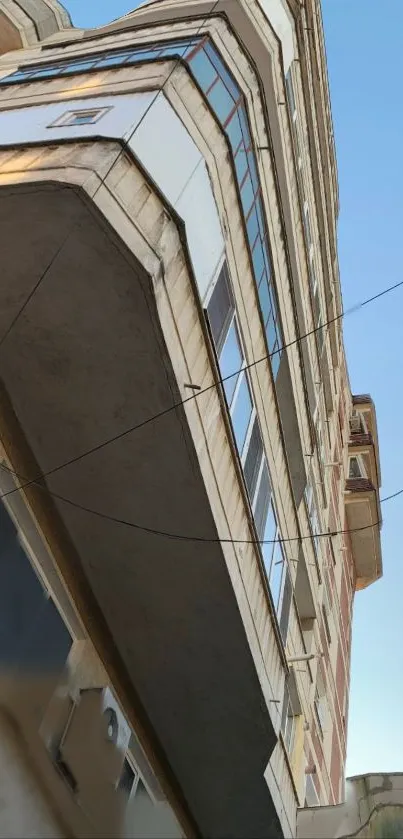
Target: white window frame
pixel 128 759
pixel 360 462
pixel 242 373
pixel 289 729
pixel 312 792
pixel 67 118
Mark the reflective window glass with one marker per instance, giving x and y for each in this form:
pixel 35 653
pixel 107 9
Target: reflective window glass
pixel 247 194
pixel 258 260
pixel 231 360
pixel 252 226
pixel 271 333
pixel 203 70
pixel 229 82
pixel 234 131
pixel 260 512
pixel 242 411
pixel 270 530
pixel 221 101
pixel 78 67
pixel 276 576
pixel 241 164
pixel 264 299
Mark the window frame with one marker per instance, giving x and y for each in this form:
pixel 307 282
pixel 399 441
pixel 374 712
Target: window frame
pixel 358 458
pixel 288 730
pixel 65 119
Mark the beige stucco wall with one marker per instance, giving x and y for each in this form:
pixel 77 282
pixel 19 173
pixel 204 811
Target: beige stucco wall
pixel 24 808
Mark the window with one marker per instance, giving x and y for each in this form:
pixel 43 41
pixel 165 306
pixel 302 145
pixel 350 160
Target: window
pixel 81 117
pixel 242 412
pixel 128 779
pixel 34 635
pixel 221 308
pixel 231 362
pixel 325 615
pixel 262 499
pixel 225 99
pixel 320 703
pixel 313 515
pixel 288 722
pixel 278 575
pixel 253 459
pixel 356 468
pixel 223 323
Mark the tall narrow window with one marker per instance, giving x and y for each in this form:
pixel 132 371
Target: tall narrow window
pixel 221 308
pixel 288 722
pixel 253 459
pixel 356 468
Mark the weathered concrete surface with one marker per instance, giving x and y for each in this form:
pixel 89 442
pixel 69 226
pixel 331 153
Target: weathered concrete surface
pixel 85 361
pixel 373 808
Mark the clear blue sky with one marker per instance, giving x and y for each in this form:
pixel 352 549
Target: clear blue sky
pixel 364 56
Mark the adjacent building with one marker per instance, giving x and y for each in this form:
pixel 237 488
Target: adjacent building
pixel 190 492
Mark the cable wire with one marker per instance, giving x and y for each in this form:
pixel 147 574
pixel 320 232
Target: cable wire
pixel 182 536
pixel 219 382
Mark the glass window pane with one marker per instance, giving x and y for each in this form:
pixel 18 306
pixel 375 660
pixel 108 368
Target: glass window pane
pixel 259 212
pixel 271 333
pixel 174 49
pixel 253 171
pixel 231 360
pixel 143 55
pixel 78 67
pixel 226 77
pixel 247 194
pixel 117 58
pixel 269 534
pixel 221 101
pixel 203 70
pixel 252 226
pixel 258 260
pixel 262 507
pixel 242 412
pixel 245 128
pixel 264 299
pixel 241 164
pixel 14 77
pixel 276 575
pixel 285 606
pixel 51 72
pixel 234 132
pixel 267 257
pixel 253 460
pixel 221 308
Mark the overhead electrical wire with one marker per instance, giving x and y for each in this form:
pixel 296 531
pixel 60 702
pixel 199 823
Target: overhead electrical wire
pixel 191 538
pixel 217 383
pixel 175 406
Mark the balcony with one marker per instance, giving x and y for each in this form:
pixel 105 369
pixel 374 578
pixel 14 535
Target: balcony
pixel 362 493
pixel 95 354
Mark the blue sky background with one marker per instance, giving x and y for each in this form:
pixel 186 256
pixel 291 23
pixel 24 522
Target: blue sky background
pixel 364 61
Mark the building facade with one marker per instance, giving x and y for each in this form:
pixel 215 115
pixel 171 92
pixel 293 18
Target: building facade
pixel 372 809
pixel 190 491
